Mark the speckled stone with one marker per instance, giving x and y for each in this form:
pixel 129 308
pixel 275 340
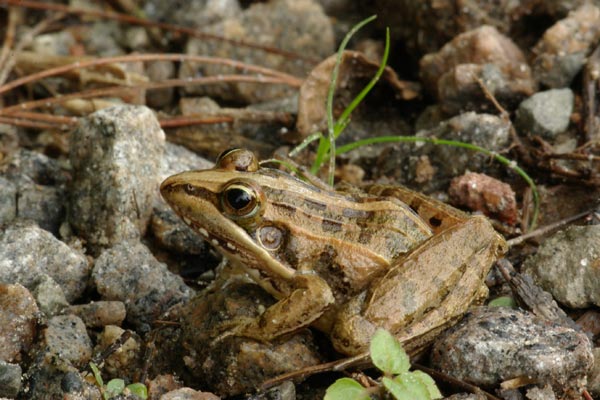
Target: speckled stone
pixel 545 113
pixel 128 272
pixel 567 265
pixel 27 252
pixel 66 337
pixel 18 319
pixel 10 379
pixel 8 201
pixel 49 296
pixel 116 156
pixel 491 345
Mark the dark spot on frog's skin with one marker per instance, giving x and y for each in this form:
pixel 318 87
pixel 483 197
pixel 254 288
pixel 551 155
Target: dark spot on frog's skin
pixel 365 236
pixel 286 209
pixel 331 226
pixel 435 222
pixel 314 205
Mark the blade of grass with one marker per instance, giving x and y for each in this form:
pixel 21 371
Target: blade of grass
pixel 343 120
pixel 330 93
pixel 455 143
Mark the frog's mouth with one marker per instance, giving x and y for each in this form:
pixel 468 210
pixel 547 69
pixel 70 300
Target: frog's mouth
pixel 194 202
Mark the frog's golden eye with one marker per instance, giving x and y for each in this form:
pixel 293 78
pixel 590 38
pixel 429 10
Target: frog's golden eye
pixel 237 160
pixel 242 200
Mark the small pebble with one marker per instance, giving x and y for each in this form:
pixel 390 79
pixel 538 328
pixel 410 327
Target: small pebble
pixel 128 272
pixel 18 320
pixel 49 296
pixel 10 379
pixel 27 252
pixel 567 264
pixel 545 113
pixel 8 201
pixel 480 192
pixel 99 313
pixel 66 337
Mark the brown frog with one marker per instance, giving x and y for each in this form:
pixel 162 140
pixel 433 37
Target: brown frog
pixel 346 263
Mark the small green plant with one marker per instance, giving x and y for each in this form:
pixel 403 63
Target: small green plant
pixel 115 387
pixel 390 358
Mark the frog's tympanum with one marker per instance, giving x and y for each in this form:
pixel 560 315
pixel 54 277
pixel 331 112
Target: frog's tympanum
pixel 345 263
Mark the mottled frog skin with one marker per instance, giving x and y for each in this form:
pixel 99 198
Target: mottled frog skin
pixel 344 262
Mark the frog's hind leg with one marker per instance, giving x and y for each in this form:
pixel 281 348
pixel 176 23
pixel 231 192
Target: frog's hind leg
pixel 425 291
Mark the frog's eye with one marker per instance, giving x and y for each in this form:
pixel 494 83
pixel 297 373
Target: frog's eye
pixel 237 160
pixel 241 200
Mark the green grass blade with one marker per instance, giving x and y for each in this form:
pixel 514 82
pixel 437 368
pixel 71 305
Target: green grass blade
pixel 343 120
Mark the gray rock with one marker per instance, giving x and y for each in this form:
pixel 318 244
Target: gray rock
pixel 545 113
pixel 566 265
pixel 484 130
pixel 491 345
pixel 299 26
pixel 66 337
pixel 116 155
pixel 10 379
pixel 42 204
pixel 49 296
pixel 563 49
pixel 8 201
pixel 99 313
pixel 32 166
pixel 177 159
pixel 27 252
pixel 39 182
pixel 129 272
pixel 18 320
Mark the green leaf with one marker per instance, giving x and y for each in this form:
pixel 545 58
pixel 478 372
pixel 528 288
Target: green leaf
pixel 97 374
pixel 429 383
pixel 138 389
pixel 503 301
pixel 387 353
pixel 115 387
pixel 346 389
pixel 406 386
pixel 396 389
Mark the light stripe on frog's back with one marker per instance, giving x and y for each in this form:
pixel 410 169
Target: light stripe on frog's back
pixel 387 228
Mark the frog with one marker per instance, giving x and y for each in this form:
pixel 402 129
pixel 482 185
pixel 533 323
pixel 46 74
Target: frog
pixel 346 262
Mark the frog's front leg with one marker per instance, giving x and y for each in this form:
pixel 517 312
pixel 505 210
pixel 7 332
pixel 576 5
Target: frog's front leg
pixel 308 299
pixel 425 291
